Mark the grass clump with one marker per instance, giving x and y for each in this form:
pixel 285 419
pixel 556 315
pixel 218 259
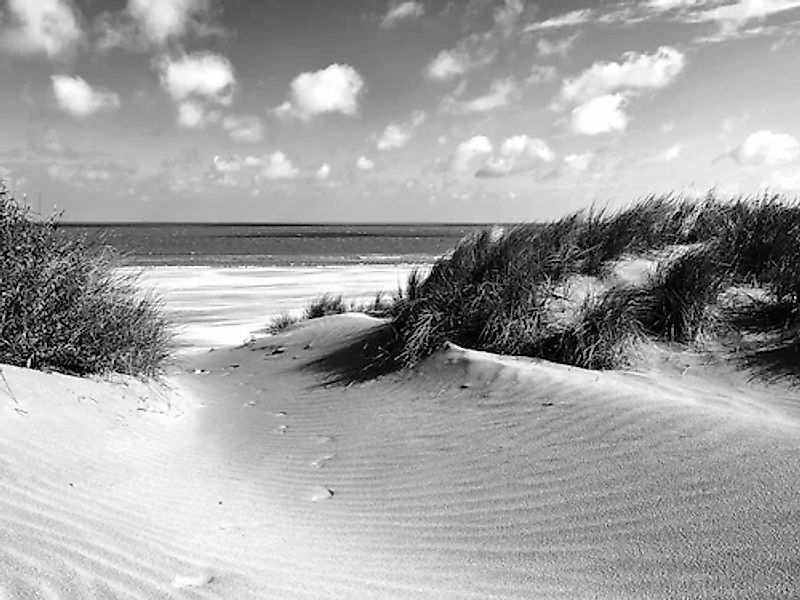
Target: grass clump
pixel 281 322
pixel 64 306
pixel 325 305
pixel 514 291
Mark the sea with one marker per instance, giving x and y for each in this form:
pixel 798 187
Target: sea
pixel 221 284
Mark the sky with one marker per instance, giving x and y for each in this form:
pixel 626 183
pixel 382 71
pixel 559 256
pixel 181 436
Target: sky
pixel 398 111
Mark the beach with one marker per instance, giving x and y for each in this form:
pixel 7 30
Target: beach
pixel 274 470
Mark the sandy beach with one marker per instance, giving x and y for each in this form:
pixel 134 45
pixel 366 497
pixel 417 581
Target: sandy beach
pixel 272 470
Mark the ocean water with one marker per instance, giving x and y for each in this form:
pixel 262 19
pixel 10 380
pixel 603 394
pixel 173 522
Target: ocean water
pixel 222 283
pixel 275 245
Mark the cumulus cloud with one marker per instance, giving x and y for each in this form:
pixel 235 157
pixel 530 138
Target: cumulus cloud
pixel 49 27
pixel 403 11
pixel 635 72
pixel 162 20
pixel 244 128
pixel 194 115
pixel 324 171
pixel 501 93
pixel 468 151
pixel 672 153
pixel 767 148
pixel 365 164
pixel 334 89
pixel 201 75
pixel 79 99
pixel 278 166
pixel 477 49
pixel 517 154
pixel 600 115
pixel 397 135
pixel 579 163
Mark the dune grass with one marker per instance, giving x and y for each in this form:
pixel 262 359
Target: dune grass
pixel 512 291
pixel 65 307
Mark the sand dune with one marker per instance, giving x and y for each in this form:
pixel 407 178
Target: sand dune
pixel 258 473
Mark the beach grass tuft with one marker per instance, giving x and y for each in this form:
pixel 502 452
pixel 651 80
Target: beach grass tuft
pixel 548 290
pixel 66 307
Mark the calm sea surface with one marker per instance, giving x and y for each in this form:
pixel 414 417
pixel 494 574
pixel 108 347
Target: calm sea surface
pixel 221 283
pixel 276 245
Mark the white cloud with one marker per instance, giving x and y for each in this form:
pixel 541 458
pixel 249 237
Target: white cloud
pixel 162 20
pixel 579 162
pixel 394 136
pixel 600 115
pixel 449 64
pixel 570 19
pixel 558 47
pixel 767 148
pixel 402 12
pixel 193 115
pixel 228 165
pixel 789 182
pixel 50 27
pixel 501 93
pixel 478 146
pixel 731 17
pixel 244 128
pixel 201 75
pixel 78 98
pixel 278 166
pixel 477 49
pixel 365 164
pixel 635 72
pixel 541 74
pixel 324 171
pixel 336 88
pixel 517 154
pixel 672 153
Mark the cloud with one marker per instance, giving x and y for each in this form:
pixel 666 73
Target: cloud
pixel 244 128
pixel 579 163
pixel 570 19
pixel 278 166
pixel 501 93
pixel 732 17
pixel 517 154
pixel 477 49
pixel 789 182
pixel 324 171
pixel 336 88
pixel 478 146
pixel 402 12
pixel 541 74
pixel 558 47
pixel 365 164
pixel 767 148
pixel 672 153
pixel 635 72
pixel 79 99
pixel 397 135
pixel 162 20
pixel 228 165
pixel 200 75
pixel 603 114
pixel 49 27
pixel 193 115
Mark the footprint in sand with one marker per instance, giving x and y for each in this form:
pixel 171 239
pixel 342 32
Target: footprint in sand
pixel 280 414
pixel 189 581
pixel 281 430
pixel 318 494
pixel 325 439
pixel 320 462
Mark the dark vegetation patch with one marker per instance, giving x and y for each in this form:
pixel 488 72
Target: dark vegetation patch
pixel 64 306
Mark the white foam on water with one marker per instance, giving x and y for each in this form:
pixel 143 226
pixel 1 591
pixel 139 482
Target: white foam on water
pixel 223 306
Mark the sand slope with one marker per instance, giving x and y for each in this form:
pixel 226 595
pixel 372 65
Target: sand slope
pixel 472 477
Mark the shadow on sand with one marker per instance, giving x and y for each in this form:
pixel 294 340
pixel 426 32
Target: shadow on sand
pixel 365 356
